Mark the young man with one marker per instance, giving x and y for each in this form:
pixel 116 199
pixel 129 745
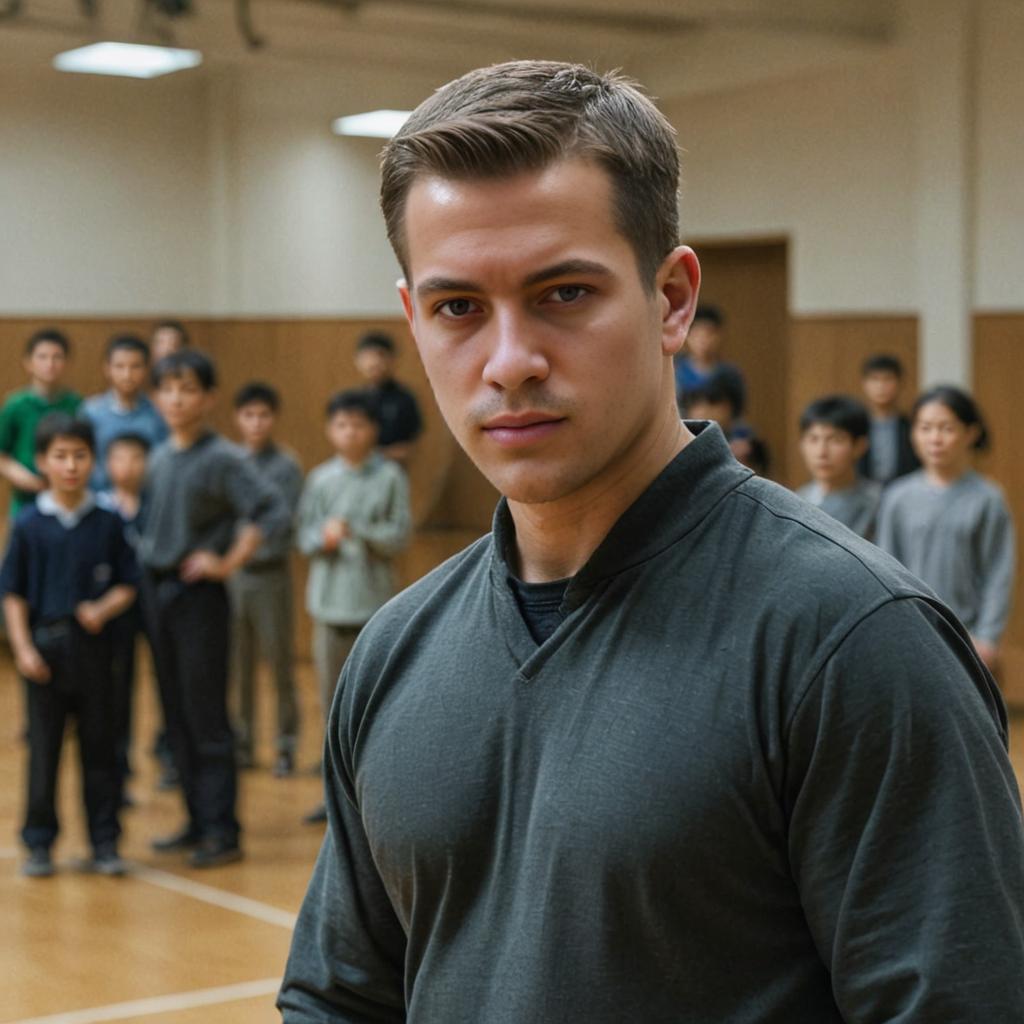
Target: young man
pixel 833 437
pixel 261 591
pixel 889 454
pixel 353 519
pixel 125 408
pixel 46 357
pixel 166 338
pixel 397 410
pixel 208 514
pixel 668 744
pixel 68 572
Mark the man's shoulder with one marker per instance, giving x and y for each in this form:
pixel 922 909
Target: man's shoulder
pixel 815 556
pixel 17 401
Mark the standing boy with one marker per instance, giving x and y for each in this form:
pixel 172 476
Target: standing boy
pixel 125 408
pixel 833 438
pixel 67 573
pixel 353 519
pixel 889 454
pixel 261 591
pixel 200 489
pixel 126 472
pixel 46 356
pixel 398 413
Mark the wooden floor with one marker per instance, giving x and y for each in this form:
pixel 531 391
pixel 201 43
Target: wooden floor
pixel 166 945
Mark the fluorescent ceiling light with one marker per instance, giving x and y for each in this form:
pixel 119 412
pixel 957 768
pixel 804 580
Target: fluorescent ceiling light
pixel 377 124
pixel 130 59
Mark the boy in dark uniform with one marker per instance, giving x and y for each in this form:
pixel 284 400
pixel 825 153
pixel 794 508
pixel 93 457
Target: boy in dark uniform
pixel 397 410
pixel 68 572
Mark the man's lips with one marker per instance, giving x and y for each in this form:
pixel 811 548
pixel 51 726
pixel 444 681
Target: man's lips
pixel 514 430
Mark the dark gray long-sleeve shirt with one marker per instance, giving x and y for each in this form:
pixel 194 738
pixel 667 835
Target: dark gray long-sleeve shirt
pixel 197 496
pixel 959 539
pixel 279 468
pixel 756 776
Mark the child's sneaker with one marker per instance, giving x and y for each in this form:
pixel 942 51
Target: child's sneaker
pixel 39 864
pixel 106 861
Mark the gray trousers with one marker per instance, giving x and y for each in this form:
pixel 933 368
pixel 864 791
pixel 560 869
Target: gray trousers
pixel 261 608
pixel 331 646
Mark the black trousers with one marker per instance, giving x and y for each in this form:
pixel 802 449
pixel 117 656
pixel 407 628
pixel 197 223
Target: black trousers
pixel 79 687
pixel 124 633
pixel 188 627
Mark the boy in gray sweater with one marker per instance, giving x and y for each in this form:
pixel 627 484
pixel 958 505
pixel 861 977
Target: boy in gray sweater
pixel 833 437
pixel 353 519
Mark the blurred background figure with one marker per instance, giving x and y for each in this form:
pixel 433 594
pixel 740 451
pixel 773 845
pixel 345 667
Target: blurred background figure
pixel 833 438
pixel 398 412
pixel 166 338
pixel 948 524
pixel 889 453
pixel 700 359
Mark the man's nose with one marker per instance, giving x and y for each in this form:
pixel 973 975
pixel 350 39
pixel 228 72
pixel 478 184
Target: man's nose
pixel 515 351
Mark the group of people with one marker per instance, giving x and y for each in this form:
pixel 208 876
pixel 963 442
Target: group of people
pixel 905 482
pixel 132 518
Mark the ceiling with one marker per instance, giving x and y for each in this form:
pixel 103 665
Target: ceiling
pixel 676 47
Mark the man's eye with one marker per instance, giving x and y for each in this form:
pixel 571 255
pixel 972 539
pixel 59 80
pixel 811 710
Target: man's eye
pixel 567 293
pixel 456 307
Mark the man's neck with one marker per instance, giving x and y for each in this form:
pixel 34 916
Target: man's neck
pixel 127 500
pixel 44 390
pixel 258 449
pixel 68 500
pixel 556 539
pixel 185 437
pixel 943 476
pixel 884 412
pixel 126 402
pixel 355 463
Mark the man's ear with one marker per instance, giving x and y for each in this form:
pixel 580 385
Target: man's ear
pixel 677 283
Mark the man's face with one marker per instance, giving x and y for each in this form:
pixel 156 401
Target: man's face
pixel 352 435
pixel 182 401
pixel 374 365
pixel 164 342
pixel 126 370
pixel 255 424
pixel 942 441
pixel 830 454
pixel 549 360
pixel 881 388
pixel 126 465
pixel 66 464
pixel 45 363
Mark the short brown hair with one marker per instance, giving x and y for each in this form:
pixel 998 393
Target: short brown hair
pixel 525 115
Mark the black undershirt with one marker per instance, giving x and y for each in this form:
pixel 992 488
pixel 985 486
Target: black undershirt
pixel 539 604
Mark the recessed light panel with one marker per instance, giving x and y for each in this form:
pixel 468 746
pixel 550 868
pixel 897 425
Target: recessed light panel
pixel 130 59
pixel 377 124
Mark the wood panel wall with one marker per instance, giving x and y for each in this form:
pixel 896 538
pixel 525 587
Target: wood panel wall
pixel 998 384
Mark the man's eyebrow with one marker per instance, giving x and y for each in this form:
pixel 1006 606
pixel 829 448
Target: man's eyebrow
pixel 433 285
pixel 567 268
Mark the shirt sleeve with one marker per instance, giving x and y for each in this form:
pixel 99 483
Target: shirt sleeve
pixel 14 572
pixel 253 499
pixel 886 531
pixel 996 557
pixel 906 840
pixel 309 521
pixel 389 534
pixel 347 956
pixel 8 428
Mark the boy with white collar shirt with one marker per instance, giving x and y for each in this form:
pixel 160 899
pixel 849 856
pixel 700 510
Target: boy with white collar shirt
pixel 68 572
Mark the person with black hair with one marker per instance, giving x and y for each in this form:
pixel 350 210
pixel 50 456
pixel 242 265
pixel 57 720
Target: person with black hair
pixel 719 397
pixel 261 591
pixel 950 525
pixel 167 337
pixel 889 453
pixel 208 513
pixel 353 519
pixel 45 360
pixel 700 359
pixel 125 408
pixel 833 437
pixel 68 573
pixel 397 411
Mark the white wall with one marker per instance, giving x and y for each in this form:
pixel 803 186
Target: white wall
pixel 103 194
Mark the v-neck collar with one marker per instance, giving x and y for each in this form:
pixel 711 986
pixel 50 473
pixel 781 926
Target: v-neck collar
pixel 674 503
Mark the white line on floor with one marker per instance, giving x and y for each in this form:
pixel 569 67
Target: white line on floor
pixel 162 1004
pixel 218 897
pixel 9 853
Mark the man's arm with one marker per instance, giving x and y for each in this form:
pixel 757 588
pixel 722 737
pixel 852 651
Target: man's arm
pixel 996 557
pixel 28 660
pixel 20 477
pixel 207 565
pixel 389 535
pixel 94 615
pixel 348 949
pixel 906 839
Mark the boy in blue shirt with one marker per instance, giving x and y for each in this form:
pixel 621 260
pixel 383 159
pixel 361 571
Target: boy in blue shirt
pixel 125 408
pixel 67 573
